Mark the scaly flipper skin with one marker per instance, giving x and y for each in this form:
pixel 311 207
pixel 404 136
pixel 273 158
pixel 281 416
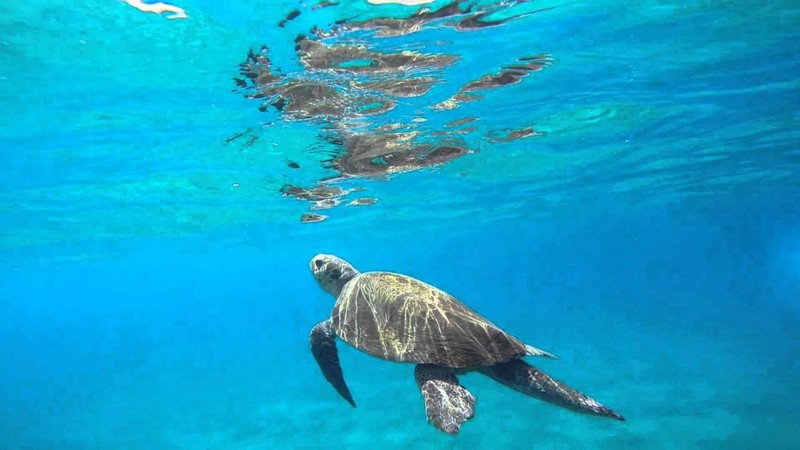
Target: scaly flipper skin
pixel 529 380
pixel 447 403
pixel 323 347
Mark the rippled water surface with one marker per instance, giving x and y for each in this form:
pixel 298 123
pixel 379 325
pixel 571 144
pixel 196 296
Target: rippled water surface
pixel 615 182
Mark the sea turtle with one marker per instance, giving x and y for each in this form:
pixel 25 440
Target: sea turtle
pixel 399 318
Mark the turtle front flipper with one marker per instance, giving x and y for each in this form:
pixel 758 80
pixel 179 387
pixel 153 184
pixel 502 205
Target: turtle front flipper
pixel 529 380
pixel 323 347
pixel 447 403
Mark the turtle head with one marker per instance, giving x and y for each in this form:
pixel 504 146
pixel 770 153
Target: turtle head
pixel 332 273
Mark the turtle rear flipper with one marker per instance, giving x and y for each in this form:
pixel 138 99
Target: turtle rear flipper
pixel 529 380
pixel 447 403
pixel 323 347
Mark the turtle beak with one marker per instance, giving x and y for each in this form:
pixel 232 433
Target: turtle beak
pixel 315 265
pixel 318 264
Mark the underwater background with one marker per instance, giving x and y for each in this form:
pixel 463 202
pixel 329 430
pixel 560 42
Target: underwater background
pixel 617 183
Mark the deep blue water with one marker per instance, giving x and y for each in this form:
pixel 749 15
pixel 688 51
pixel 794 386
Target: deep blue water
pixel 154 283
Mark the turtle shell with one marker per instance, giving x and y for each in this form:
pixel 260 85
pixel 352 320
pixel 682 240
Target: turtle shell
pixel 399 318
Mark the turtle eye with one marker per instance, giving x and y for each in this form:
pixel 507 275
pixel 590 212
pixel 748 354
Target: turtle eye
pixel 335 274
pixel 318 264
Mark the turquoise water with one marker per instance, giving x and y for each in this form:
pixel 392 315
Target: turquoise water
pixel 154 284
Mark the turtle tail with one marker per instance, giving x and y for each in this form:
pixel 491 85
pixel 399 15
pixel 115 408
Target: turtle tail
pixel 533 351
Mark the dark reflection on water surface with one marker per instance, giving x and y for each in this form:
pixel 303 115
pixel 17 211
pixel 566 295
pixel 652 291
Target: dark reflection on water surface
pixel 346 86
